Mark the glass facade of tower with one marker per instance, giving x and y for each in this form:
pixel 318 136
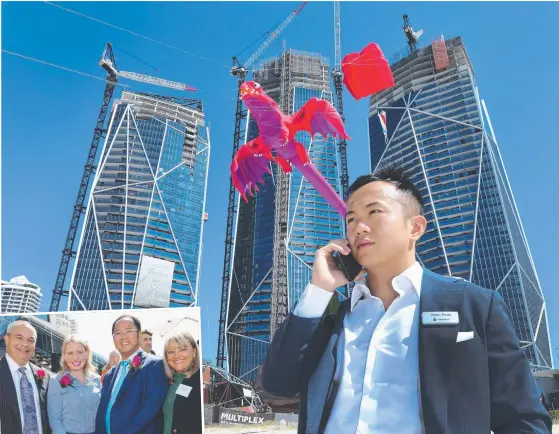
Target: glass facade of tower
pixel 311 224
pixel 438 132
pixel 147 201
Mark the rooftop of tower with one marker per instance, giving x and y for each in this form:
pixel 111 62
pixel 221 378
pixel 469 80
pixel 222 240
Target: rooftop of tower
pixel 412 71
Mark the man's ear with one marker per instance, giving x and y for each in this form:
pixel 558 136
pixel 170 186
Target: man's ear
pixel 419 225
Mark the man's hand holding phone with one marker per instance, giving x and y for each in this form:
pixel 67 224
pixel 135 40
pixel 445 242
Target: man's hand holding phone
pixel 326 274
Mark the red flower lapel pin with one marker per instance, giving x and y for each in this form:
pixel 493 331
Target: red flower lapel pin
pixel 65 381
pixel 136 363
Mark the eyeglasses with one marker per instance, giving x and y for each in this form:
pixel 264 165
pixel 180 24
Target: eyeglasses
pixel 127 332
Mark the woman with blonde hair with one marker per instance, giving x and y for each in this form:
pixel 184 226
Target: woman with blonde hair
pixel 74 393
pixel 114 359
pixel 183 406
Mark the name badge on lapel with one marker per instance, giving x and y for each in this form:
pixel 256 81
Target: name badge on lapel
pixel 439 318
pixel 184 390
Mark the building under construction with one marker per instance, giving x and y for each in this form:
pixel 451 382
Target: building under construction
pixel 433 124
pixel 145 212
pixel 280 228
pixel 143 200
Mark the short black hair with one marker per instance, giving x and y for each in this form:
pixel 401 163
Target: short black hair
pixel 395 176
pixel 135 320
pixel 147 332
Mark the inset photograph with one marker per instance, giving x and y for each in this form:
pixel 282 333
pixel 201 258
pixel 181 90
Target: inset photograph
pixel 117 372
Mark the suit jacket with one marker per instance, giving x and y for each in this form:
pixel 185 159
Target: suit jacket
pixel 470 387
pixel 10 418
pixel 138 405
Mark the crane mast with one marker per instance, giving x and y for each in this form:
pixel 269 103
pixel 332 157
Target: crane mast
pixel 410 34
pixel 338 77
pixel 107 62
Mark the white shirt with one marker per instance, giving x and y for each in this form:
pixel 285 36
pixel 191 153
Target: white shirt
pixel 379 389
pixel 16 376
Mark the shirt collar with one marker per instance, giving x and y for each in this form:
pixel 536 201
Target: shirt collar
pixel 14 366
pixel 407 281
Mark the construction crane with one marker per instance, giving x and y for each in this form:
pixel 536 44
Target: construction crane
pixel 240 71
pixel 338 77
pixel 410 34
pixel 108 63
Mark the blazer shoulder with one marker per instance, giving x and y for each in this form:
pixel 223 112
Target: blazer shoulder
pixel 153 362
pixel 479 293
pixel 3 362
pixel 150 358
pixel 472 290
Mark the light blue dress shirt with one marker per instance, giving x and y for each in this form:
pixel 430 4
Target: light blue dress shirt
pixel 73 408
pixel 122 372
pixel 379 389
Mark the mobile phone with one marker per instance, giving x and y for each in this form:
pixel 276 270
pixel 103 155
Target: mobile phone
pixel 347 265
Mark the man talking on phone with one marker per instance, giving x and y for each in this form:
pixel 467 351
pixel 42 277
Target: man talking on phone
pixel 410 352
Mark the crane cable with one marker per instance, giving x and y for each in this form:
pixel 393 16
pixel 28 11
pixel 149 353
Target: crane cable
pixel 104 79
pixel 61 67
pixel 138 34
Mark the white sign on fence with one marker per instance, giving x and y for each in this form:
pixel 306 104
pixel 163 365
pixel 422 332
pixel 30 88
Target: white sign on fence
pixel 154 282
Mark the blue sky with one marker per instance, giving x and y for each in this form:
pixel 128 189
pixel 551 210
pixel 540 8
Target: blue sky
pixel 48 114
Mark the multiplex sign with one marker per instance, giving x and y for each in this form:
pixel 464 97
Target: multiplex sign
pixel 228 416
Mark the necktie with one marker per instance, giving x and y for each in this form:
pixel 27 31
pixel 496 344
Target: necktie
pixel 121 376
pixel 30 424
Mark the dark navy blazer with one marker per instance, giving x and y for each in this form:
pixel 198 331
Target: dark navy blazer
pixel 472 387
pixel 138 406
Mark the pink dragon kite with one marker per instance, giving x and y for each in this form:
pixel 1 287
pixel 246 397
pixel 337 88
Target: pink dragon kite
pixel 277 133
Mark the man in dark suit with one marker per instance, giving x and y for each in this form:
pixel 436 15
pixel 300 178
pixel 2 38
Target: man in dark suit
pixel 133 391
pixel 410 352
pixel 23 386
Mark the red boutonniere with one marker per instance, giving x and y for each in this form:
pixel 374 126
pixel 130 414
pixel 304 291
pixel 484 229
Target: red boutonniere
pixel 65 381
pixel 40 374
pixel 136 363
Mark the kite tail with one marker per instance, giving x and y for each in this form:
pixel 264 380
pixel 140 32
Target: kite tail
pixel 311 173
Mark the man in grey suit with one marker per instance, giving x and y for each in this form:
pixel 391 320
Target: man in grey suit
pixel 23 386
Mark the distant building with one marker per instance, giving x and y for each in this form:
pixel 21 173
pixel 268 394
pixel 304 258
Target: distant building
pixel 48 349
pixel 64 324
pixel 19 295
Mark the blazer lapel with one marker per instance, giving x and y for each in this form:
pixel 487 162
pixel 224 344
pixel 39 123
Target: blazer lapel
pixel 9 394
pixel 41 385
pixel 42 389
pixel 436 348
pixel 338 353
pixel 129 377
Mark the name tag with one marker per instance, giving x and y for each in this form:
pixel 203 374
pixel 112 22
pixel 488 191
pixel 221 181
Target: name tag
pixel 439 318
pixel 184 390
